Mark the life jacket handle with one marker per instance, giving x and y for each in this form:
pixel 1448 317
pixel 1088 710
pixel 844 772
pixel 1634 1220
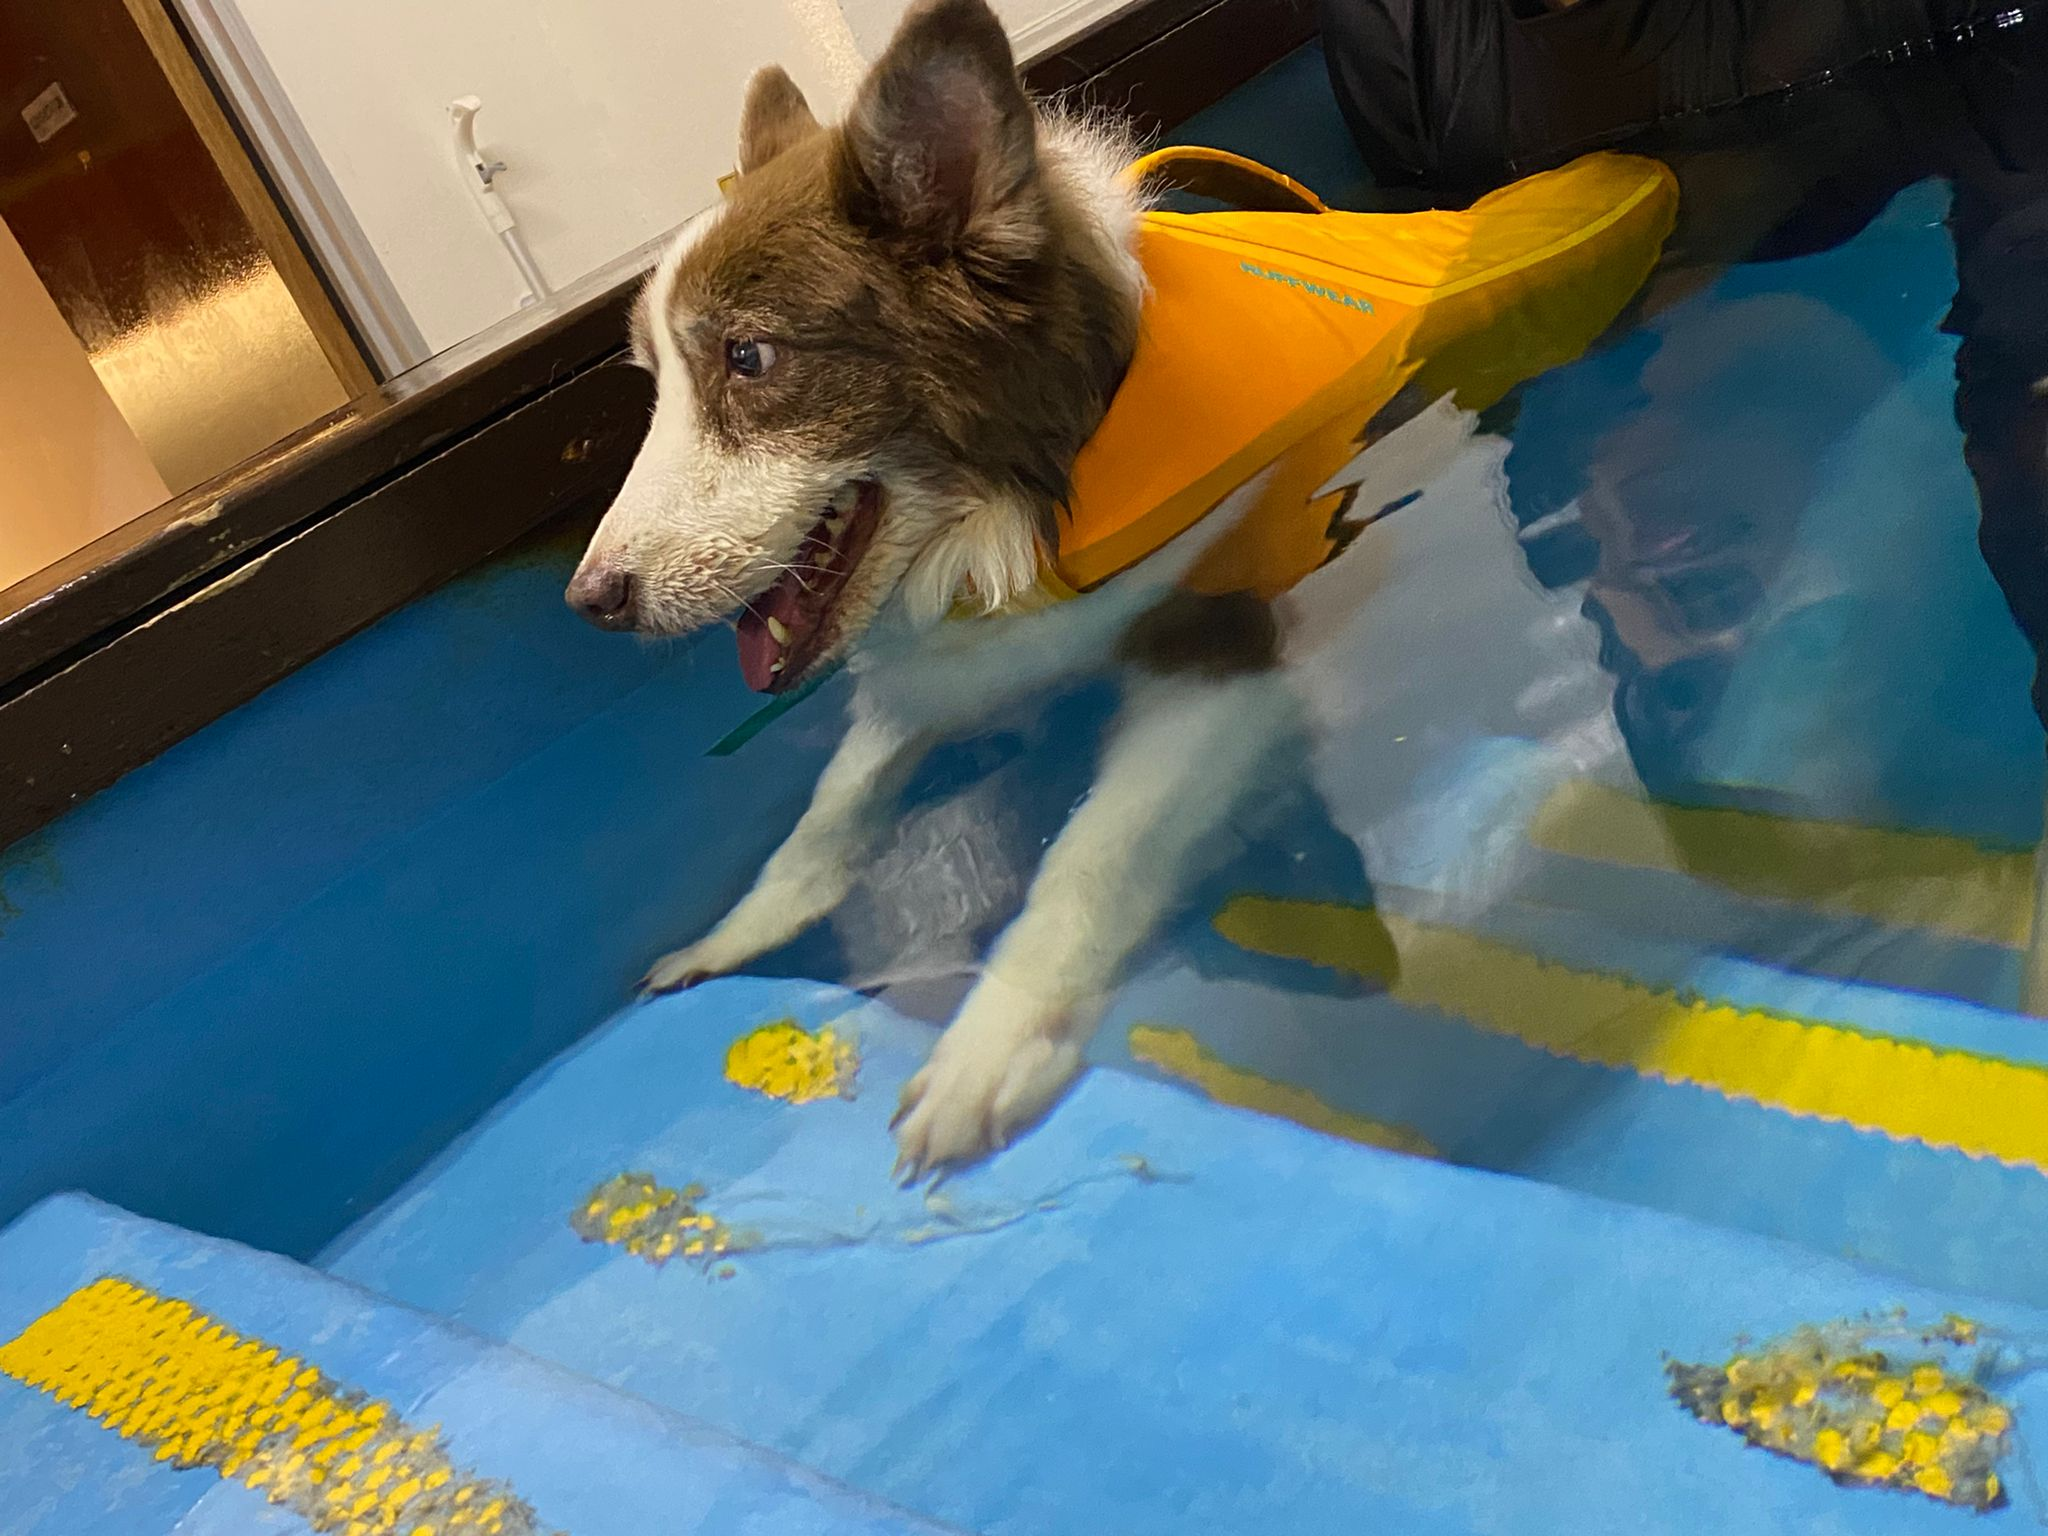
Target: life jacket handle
pixel 1228 178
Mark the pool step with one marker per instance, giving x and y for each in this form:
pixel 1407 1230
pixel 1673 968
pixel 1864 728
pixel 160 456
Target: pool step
pixel 1154 1314
pixel 153 1381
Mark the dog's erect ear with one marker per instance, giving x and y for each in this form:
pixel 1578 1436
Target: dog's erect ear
pixel 775 117
pixel 940 135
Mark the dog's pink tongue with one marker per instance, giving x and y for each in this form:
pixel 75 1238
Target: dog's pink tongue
pixel 759 649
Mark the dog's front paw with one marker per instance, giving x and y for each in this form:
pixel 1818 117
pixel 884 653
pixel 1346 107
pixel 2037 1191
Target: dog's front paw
pixel 686 967
pixel 799 886
pixel 992 1074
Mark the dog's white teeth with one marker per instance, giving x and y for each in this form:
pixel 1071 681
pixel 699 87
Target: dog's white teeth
pixel 781 634
pixel 777 667
pixel 826 557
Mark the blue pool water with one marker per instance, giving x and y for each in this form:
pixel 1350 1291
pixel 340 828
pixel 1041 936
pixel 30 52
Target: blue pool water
pixel 1673 795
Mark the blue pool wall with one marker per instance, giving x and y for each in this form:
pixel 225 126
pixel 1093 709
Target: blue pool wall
pixel 260 980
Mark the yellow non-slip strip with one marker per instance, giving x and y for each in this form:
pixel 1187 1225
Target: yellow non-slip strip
pixel 1178 1054
pixel 1901 1088
pixel 1904 879
pixel 160 1372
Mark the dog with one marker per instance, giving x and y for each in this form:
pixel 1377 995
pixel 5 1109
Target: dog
pixel 876 362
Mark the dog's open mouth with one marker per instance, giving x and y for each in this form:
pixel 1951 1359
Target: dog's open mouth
pixel 784 631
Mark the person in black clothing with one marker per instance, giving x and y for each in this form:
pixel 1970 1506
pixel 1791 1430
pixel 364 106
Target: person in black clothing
pixel 1448 98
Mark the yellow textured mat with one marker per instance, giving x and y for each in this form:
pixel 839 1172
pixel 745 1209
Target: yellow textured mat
pixel 160 1372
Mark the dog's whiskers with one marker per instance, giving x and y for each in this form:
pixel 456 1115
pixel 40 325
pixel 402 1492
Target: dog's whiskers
pixel 726 591
pixel 798 571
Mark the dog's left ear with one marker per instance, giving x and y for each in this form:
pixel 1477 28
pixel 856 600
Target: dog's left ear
pixel 774 117
pixel 941 135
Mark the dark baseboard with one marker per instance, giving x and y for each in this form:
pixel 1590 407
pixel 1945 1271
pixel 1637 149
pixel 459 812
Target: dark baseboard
pixel 154 683
pixel 137 641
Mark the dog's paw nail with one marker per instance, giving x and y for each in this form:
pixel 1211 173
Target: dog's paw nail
pixel 915 1151
pixel 911 1162
pixel 908 1100
pixel 677 973
pixel 654 984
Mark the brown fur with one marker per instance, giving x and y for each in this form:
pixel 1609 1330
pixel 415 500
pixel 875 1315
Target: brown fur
pixel 773 118
pixel 1194 634
pixel 880 255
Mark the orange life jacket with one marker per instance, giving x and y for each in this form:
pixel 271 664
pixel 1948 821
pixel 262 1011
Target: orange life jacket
pixel 1272 333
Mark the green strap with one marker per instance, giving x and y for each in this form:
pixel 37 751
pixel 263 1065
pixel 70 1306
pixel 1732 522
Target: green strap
pixel 761 718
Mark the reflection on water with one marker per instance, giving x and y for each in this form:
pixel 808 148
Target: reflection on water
pixel 1689 489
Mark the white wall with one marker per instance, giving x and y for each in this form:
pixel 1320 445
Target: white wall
pixel 615 118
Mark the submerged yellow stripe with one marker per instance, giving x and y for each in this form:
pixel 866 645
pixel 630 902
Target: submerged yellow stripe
pixel 1904 1089
pixel 653 1222
pixel 160 1372
pixel 1179 1054
pixel 1906 879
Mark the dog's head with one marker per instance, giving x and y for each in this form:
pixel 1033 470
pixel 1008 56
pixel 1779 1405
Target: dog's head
pixel 875 361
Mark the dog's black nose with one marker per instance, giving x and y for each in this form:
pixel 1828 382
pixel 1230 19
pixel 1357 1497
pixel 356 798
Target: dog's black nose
pixel 603 594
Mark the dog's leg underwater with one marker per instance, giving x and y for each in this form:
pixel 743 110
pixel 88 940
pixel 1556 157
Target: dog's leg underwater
pixel 906 704
pixel 1180 759
pixel 815 867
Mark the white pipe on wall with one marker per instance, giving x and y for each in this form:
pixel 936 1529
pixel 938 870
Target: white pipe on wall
pixel 481 176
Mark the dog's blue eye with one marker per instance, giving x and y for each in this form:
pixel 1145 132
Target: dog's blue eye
pixel 747 358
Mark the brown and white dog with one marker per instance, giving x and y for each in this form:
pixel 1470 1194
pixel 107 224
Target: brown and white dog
pixel 876 363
